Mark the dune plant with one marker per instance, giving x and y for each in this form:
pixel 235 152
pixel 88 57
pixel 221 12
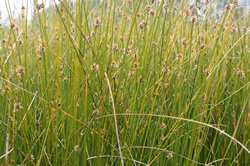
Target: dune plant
pixel 125 82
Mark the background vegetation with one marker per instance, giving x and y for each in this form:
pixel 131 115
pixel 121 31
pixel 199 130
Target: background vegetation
pixel 124 83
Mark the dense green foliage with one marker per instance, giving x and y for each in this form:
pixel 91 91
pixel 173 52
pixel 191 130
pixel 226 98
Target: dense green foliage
pixel 124 83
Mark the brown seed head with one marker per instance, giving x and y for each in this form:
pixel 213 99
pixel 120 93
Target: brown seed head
pixel 179 56
pixel 165 70
pixel 77 105
pixel 234 30
pixel 229 7
pixel 167 85
pixel 77 148
pixel 235 2
pixel 203 96
pixel 148 8
pixel 203 46
pixel 194 19
pixel 32 157
pixel 19 42
pixel 136 64
pixel 188 12
pixel 97 22
pixel 163 126
pixel 244 28
pixel 165 6
pixel 169 155
pixel 65 80
pixel 114 64
pixel 184 41
pixel 12 25
pixel 142 24
pixel 17 106
pixel 20 70
pixel 206 71
pixel 203 115
pixel 152 12
pixel 42 5
pixel 42 48
pixel 94 67
pixel 199 142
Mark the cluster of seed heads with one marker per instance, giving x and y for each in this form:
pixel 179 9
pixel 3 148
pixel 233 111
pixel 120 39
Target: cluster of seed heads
pixel 97 23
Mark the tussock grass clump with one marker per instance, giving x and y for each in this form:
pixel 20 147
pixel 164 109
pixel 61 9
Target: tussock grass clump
pixel 115 82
